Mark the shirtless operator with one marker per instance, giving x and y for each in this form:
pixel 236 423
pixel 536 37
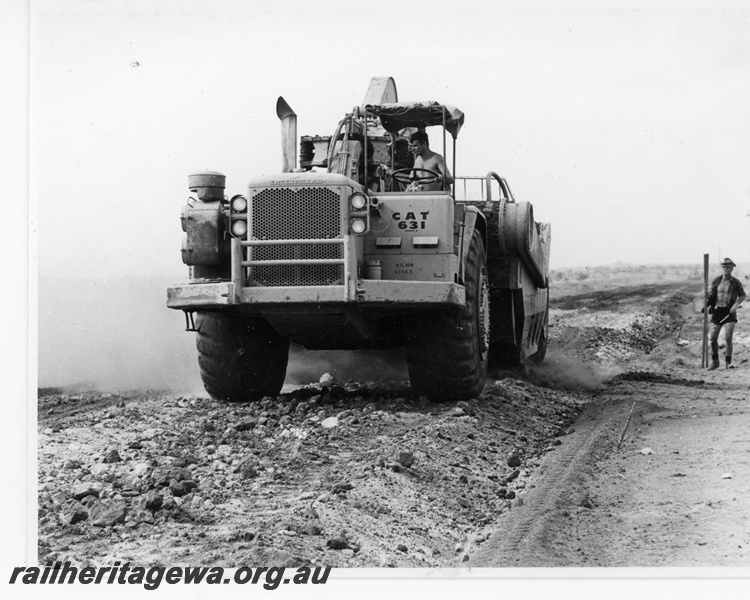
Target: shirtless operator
pixel 424 158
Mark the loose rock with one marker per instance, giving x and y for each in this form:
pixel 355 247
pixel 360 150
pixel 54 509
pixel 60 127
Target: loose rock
pixel 512 476
pixel 342 488
pixel 113 456
pixel 406 459
pixel 102 471
pixel 87 488
pixel 329 422
pixel 311 529
pixel 141 469
pixel 153 500
pixel 514 460
pixel 73 512
pixel 337 543
pixel 247 469
pixel 106 515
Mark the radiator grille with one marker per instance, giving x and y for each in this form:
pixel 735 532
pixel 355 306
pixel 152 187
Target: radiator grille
pixel 296 214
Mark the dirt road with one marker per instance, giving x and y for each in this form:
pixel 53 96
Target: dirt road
pixel 674 494
pixel 358 474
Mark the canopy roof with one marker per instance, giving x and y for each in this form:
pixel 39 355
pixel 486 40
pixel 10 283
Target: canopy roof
pixel 397 115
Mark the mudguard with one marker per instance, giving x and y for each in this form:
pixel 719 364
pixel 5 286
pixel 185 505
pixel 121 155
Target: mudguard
pixel 473 219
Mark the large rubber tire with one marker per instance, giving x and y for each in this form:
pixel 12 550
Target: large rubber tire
pixel 447 350
pixel 241 358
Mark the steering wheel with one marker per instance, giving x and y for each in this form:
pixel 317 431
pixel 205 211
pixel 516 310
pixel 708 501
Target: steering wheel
pixel 413 176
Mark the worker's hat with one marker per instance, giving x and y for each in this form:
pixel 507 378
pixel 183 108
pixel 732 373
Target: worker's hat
pixel 727 262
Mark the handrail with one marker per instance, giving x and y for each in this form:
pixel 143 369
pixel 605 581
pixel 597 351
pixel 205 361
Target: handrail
pixel 486 181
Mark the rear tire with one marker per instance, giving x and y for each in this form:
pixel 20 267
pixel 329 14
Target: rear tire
pixel 447 350
pixel 241 358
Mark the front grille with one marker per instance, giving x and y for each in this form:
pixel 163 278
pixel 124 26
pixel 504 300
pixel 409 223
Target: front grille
pixel 295 214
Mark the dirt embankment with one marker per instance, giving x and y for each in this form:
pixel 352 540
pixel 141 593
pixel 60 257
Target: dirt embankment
pixel 369 475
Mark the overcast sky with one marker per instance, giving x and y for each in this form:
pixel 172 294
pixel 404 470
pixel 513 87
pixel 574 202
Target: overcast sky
pixel 626 124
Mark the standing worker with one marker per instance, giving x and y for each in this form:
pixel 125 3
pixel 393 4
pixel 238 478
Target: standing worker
pixel 725 296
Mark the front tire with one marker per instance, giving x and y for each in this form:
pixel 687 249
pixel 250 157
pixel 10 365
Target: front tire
pixel 446 350
pixel 241 358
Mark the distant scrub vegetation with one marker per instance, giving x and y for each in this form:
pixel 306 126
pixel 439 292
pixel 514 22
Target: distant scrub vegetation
pixel 626 271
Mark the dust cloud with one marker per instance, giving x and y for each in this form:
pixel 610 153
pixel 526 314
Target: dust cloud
pixel 118 334
pixel 306 366
pixel 113 334
pixel 562 371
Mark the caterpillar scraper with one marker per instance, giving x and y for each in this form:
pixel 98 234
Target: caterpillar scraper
pixel 345 248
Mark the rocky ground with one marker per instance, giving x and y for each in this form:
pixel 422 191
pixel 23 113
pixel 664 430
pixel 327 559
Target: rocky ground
pixel 365 474
pixel 341 475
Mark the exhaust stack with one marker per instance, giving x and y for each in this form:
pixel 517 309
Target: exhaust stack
pixel 288 135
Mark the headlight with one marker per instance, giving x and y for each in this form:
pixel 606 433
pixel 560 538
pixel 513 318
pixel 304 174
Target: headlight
pixel 358 201
pixel 239 204
pixel 239 228
pixel 358 226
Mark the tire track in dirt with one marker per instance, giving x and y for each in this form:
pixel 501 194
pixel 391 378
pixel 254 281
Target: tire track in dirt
pixel 520 538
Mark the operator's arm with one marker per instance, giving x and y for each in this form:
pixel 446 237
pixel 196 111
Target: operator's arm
pixel 444 169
